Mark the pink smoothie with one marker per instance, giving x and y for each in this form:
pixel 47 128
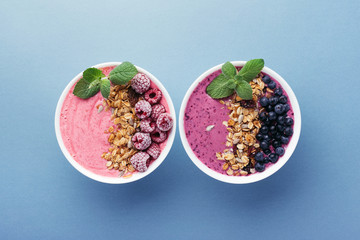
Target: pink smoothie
pixel 82 129
pixel 202 111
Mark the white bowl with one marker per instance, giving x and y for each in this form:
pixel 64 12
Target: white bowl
pixel 259 175
pixel 115 180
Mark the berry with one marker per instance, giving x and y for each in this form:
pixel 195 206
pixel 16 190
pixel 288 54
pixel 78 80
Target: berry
pixel 272 116
pixel 272 129
pixel 280 128
pixel 264 145
pixel 260 167
pixel 266 138
pixel 154 151
pixel 153 96
pixel 267 151
pixel 276 144
pixel 266 122
pixel 264 101
pixel 147 125
pixel 266 79
pixel 266 160
pixel 259 157
pixel 280 151
pixel 157 109
pixel 273 157
pixel 247 103
pixel 283 99
pixel 141 140
pixel 285 140
pixel 277 136
pixel 140 83
pixel 269 108
pixel 279 108
pixel 280 119
pixel 272 85
pixel 288 131
pixel 289 121
pixel 263 116
pixel 158 136
pixel 273 101
pixel 278 92
pixel 264 129
pixel 164 122
pixel 259 136
pixel 143 109
pixel 286 107
pixel 139 161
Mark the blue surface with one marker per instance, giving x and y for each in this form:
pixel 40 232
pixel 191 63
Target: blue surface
pixel 314 45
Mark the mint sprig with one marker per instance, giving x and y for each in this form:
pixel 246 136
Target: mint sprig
pixel 94 80
pixel 230 80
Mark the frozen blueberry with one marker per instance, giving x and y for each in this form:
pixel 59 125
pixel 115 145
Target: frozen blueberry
pixel 283 99
pixel 266 122
pixel 266 160
pixel 286 107
pixel 272 85
pixel 272 129
pixel 266 138
pixel 280 128
pixel 269 108
pixel 273 101
pixel 259 136
pixel 259 157
pixel 264 129
pixel 267 151
pixel 273 157
pixel 263 116
pixel 280 119
pixel 264 101
pixel 289 121
pixel 279 108
pixel 278 92
pixel 277 136
pixel 260 167
pixel 288 131
pixel 284 140
pixel 264 145
pixel 276 144
pixel 266 79
pixel 280 151
pixel 272 116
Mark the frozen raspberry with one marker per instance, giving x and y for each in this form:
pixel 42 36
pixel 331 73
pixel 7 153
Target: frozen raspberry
pixel 139 161
pixel 143 109
pixel 158 136
pixel 164 122
pixel 141 140
pixel 153 96
pixel 140 83
pixel 157 110
pixel 147 125
pixel 154 151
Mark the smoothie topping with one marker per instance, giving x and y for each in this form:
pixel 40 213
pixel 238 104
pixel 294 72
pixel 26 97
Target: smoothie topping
pixel 140 83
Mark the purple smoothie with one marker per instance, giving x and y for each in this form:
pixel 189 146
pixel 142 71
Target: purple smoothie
pixel 202 111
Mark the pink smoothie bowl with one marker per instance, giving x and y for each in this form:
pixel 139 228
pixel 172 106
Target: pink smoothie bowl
pixel 258 175
pixel 110 179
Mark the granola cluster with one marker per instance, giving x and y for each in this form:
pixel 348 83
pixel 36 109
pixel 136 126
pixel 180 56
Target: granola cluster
pixel 243 126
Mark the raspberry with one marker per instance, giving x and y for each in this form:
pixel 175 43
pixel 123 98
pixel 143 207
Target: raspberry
pixel 139 161
pixel 153 96
pixel 157 110
pixel 164 122
pixel 143 109
pixel 141 140
pixel 158 136
pixel 147 125
pixel 154 150
pixel 140 83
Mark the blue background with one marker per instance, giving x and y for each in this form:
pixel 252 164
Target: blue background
pixel 314 45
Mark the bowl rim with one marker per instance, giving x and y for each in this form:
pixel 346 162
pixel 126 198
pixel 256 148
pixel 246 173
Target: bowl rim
pixel 108 179
pixel 253 177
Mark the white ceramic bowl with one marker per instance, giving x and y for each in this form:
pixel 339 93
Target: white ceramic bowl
pixel 253 177
pixel 115 180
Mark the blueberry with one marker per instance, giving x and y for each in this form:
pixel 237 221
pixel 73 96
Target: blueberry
pixel 267 151
pixel 263 116
pixel 264 145
pixel 259 136
pixel 266 122
pixel 278 92
pixel 280 151
pixel 273 100
pixel 276 144
pixel 264 101
pixel 280 128
pixel 269 108
pixel 266 138
pixel 284 140
pixel 288 131
pixel 272 116
pixel 259 157
pixel 283 99
pixel 289 121
pixel 279 108
pixel 272 129
pixel 286 107
pixel 260 167
pixel 266 79
pixel 280 119
pixel 266 160
pixel 277 136
pixel 264 129
pixel 273 157
pixel 272 85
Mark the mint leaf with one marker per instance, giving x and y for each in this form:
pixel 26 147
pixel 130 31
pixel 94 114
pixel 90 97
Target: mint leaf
pixel 251 69
pixel 228 70
pixel 85 89
pixel 123 73
pixel 105 87
pixel 92 74
pixel 219 87
pixel 244 90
